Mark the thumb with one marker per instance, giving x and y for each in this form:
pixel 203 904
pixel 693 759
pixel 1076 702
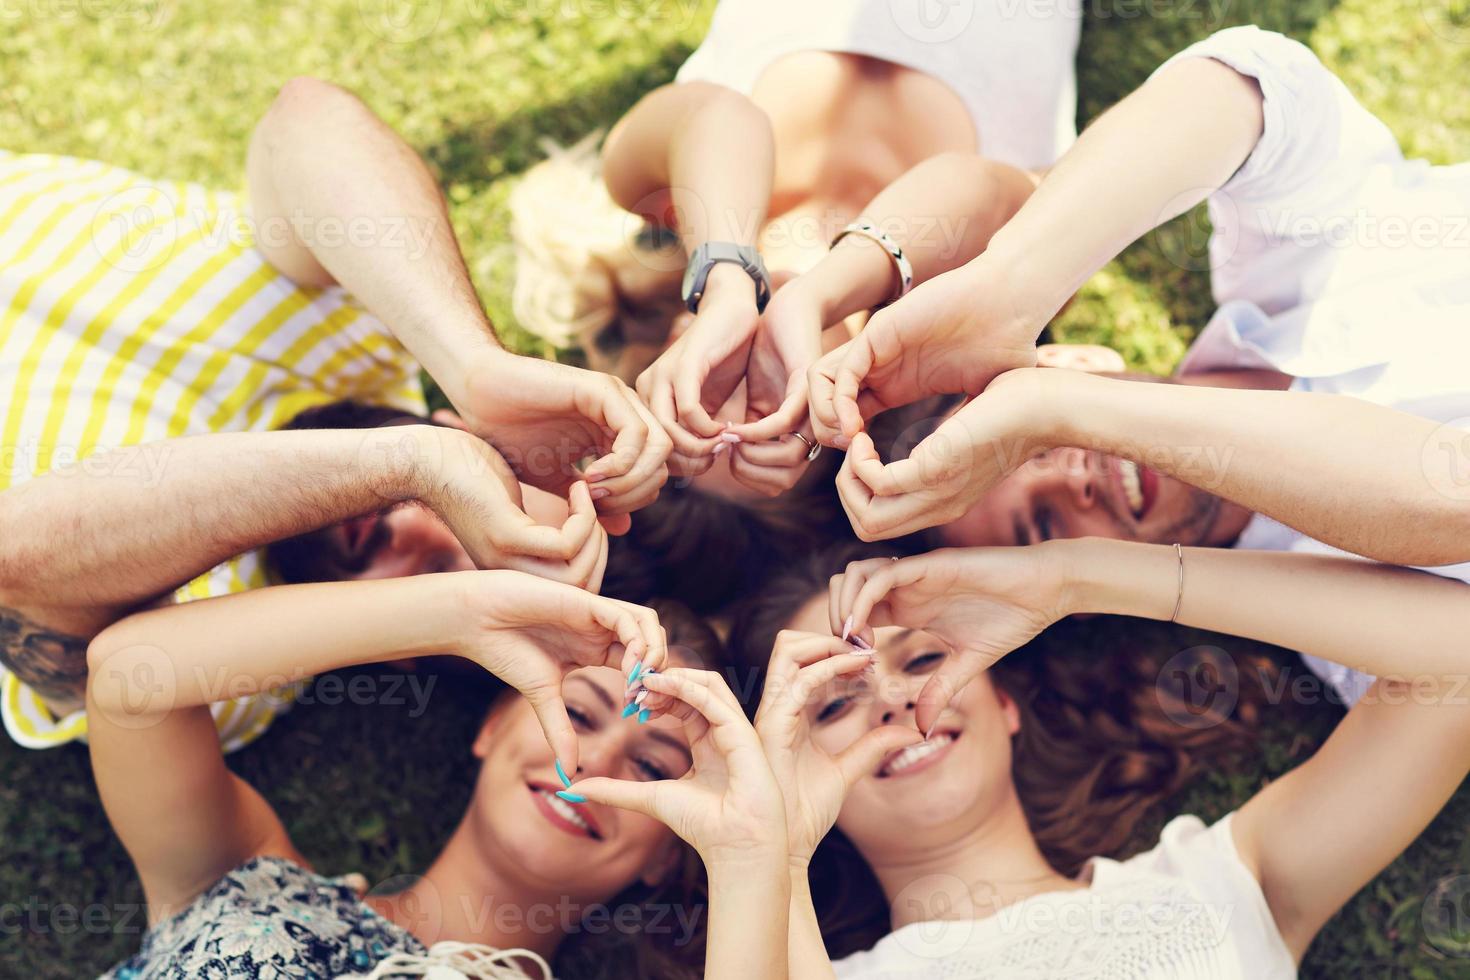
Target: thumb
pixel 863 757
pixel 616 524
pixel 943 685
pixel 551 712
pixel 625 794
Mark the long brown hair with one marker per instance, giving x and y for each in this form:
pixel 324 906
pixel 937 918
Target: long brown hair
pixel 1103 740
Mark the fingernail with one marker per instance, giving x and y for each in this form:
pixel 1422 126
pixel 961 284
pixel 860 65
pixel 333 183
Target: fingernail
pixel 636 673
pixel 862 644
pixel 599 492
pixel 641 696
pixel 931 729
pixel 571 797
pixel 594 477
pixel 841 442
pixel 846 627
pixel 729 437
pixel 720 448
pixel 643 716
pixel 630 709
pixel 562 774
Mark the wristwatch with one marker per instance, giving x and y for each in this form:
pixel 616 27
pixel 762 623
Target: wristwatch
pixel 707 255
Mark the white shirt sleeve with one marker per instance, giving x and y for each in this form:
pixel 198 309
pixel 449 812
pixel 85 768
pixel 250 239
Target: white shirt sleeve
pixel 1318 147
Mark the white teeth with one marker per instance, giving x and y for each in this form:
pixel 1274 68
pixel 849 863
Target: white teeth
pixel 914 753
pixel 1132 485
pixel 564 809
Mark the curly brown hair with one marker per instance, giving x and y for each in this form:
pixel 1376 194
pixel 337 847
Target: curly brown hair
pixel 1099 746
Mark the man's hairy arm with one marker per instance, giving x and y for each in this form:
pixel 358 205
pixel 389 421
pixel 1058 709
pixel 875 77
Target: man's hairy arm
pixel 87 545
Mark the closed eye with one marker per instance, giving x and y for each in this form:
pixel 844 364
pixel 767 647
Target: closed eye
pixel 580 719
pixel 651 770
pixel 833 709
pixel 924 662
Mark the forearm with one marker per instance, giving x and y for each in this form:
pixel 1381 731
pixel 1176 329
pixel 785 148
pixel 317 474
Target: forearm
pixel 942 213
pixel 806 952
pixel 1344 610
pixel 1344 471
pixel 748 920
pixel 85 544
pixel 1151 157
pixel 345 187
pixel 709 148
pixel 213 649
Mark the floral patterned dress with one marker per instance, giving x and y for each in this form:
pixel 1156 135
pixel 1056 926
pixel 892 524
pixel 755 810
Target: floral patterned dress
pixel 269 919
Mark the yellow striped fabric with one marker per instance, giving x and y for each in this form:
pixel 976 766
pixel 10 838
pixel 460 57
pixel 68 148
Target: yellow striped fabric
pixel 133 310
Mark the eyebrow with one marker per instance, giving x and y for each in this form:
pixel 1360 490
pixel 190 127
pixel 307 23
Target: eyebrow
pixel 672 742
pixel 597 689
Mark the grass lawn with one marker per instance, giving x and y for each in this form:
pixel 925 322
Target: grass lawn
pixel 172 90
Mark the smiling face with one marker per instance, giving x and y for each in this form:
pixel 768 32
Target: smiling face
pixel 925 793
pixel 589 852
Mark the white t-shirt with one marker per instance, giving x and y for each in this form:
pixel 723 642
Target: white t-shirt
pixel 1337 261
pixel 1186 910
pixel 1011 64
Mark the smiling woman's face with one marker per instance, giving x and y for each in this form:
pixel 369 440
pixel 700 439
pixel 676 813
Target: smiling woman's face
pixel 588 852
pixel 927 793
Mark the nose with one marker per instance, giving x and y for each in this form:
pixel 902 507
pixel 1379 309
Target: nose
pixel 422 542
pixel 892 713
pixel 600 754
pixel 1076 475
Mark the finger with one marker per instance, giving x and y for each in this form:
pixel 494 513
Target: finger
pixel 881 584
pixel 868 466
pixel 599 568
pixel 686 443
pixel 632 635
pixel 584 566
pixel 615 524
pixel 702 690
pixel 784 452
pixel 820 405
pixel 812 678
pixel 789 417
pixel 647 646
pixel 795 650
pixel 946 682
pixel 610 408
pixel 847 381
pixel 637 796
pixel 863 757
pixel 856 500
pixel 551 712
pixel 688 401
pixel 641 483
pixel 772 481
pixel 851 583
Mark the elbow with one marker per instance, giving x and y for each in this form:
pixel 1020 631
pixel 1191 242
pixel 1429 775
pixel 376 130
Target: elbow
pixel 307 101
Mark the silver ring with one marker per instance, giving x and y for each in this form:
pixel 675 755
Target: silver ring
pixel 812 448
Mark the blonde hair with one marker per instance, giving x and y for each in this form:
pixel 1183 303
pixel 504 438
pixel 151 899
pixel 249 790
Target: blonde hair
pixel 586 275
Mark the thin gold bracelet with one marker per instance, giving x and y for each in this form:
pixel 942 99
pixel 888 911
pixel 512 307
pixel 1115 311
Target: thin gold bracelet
pixel 1179 600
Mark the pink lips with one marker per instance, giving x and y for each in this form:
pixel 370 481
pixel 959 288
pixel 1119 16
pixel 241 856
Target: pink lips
pixel 538 794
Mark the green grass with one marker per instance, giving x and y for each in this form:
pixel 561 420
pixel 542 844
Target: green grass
pixel 172 89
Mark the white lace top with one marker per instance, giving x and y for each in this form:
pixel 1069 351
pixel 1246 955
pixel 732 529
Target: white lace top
pixel 1186 910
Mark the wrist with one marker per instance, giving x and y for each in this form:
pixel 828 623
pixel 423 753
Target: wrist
pixel 1122 578
pixel 401 462
pixel 736 862
pixel 728 285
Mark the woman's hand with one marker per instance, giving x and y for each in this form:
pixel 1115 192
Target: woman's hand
pixel 728 806
pixel 531 633
pixel 814 783
pixel 472 489
pixel 769 457
pixel 702 368
pixel 981 602
pixel 951 335
pixel 1016 417
pixel 546 418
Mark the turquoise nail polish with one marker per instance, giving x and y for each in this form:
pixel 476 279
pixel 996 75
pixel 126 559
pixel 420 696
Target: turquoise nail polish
pixel 562 774
pixel 637 670
pixel 571 797
pixel 627 713
pixel 643 716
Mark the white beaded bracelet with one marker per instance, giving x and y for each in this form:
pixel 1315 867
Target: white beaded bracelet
pixel 867 229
